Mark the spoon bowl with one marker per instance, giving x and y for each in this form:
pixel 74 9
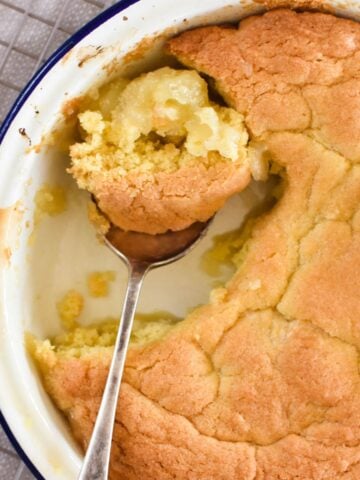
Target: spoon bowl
pixel 156 250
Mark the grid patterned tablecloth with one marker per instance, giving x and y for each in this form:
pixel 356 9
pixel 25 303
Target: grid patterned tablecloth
pixel 30 30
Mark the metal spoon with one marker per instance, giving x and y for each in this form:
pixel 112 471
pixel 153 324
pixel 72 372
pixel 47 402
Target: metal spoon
pixel 140 252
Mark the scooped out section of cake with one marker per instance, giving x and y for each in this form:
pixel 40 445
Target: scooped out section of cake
pixel 165 156
pixel 99 338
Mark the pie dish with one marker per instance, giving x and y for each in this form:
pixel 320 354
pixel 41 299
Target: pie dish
pixel 289 349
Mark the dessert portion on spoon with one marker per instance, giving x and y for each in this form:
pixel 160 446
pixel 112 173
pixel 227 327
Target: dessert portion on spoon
pixel 164 156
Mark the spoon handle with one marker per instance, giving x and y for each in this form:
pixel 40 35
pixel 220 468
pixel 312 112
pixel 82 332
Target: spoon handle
pixel 96 463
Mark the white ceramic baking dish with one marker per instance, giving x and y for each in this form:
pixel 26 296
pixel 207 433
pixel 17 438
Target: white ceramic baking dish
pixel 33 274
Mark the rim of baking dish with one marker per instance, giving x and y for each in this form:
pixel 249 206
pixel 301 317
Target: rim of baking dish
pixel 72 41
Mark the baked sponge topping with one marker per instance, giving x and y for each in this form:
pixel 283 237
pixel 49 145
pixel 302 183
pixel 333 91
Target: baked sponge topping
pixel 162 147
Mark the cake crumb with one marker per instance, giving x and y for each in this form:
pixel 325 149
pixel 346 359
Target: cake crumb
pixel 99 283
pixel 159 133
pixel 259 161
pixel 218 295
pixel 218 260
pixel 70 308
pixel 49 200
pixel 97 219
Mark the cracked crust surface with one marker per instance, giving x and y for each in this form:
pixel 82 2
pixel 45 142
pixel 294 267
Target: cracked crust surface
pixel 156 202
pixel 261 384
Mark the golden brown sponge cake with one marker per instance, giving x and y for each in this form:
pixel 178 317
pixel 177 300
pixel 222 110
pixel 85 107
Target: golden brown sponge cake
pixel 263 382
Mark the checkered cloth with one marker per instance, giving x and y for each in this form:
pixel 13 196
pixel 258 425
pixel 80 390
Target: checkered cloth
pixel 30 30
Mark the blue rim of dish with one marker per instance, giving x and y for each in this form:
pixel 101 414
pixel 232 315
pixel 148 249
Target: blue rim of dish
pixel 23 96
